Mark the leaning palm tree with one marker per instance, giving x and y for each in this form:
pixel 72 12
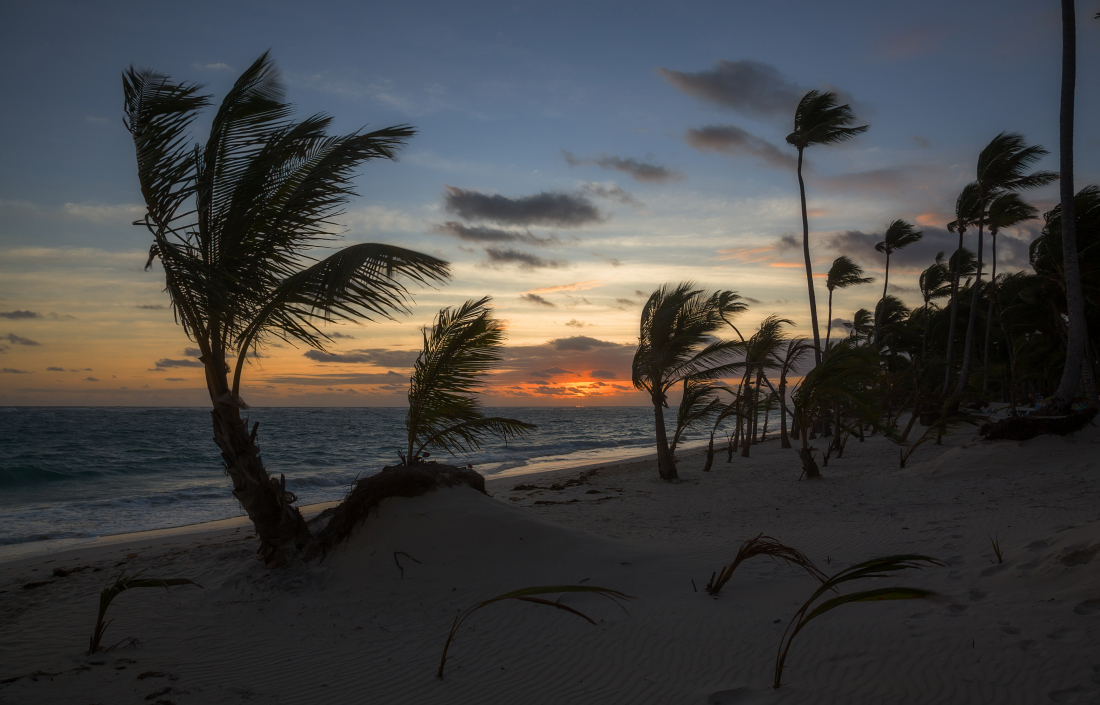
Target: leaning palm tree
pixel 676 342
pixel 818 119
pixel 966 215
pixel 1005 211
pixel 899 235
pixel 843 274
pixel 1002 167
pixel 459 348
pixel 233 223
pixel 935 283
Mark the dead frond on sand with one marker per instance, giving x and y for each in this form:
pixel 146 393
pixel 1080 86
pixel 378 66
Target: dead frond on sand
pixel 122 583
pixel 366 494
pixel 531 594
pixel 763 545
pixel 874 568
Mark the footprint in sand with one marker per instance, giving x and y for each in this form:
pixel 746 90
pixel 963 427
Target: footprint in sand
pixel 1088 607
pixel 1069 695
pixel 976 594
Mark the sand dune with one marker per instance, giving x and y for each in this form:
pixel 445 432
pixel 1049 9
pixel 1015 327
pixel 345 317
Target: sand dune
pixel 368 624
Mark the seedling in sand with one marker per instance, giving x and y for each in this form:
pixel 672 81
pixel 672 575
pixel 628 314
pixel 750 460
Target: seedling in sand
pixel 874 568
pixel 122 583
pixel 762 546
pixel 531 594
pixel 997 548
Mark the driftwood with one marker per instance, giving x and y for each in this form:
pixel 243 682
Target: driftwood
pixel 1022 428
pixel 368 493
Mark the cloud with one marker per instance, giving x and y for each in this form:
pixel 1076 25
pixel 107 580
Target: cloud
pixel 19 315
pixel 19 340
pixel 763 253
pixel 338 334
pixel 922 142
pixel 581 343
pixel 151 307
pixel 550 208
pixel 192 352
pixel 551 372
pixel 374 356
pixel 60 316
pixel 387 378
pixel 480 233
pixel 1012 252
pixel 732 140
pixel 55 369
pixel 104 213
pixel 611 192
pixel 750 87
pixel 536 299
pixel 574 323
pixel 602 374
pixel 173 379
pixel 912 41
pixel 90 379
pixel 576 286
pixel 164 363
pixel 11 371
pixel 623 303
pixel 522 259
pixel 637 170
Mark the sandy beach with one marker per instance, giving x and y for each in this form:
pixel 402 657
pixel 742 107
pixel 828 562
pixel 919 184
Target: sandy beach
pixel 368 624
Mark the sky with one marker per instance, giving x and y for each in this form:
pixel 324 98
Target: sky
pixel 570 158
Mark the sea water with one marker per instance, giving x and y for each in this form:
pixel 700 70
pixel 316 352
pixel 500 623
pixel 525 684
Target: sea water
pixel 78 473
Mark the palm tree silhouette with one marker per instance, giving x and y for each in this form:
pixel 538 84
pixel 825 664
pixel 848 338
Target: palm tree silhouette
pixel 818 119
pixel 233 223
pixel 966 215
pixel 1005 211
pixel 1002 167
pixel 935 283
pixel 899 235
pixel 843 274
pixel 676 342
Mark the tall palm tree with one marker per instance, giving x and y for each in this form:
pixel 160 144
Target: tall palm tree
pixel 935 283
pixel 1002 166
pixel 966 215
pixel 1005 211
pixel 676 342
pixel 1075 301
pixel 843 274
pixel 233 223
pixel 459 348
pixel 899 235
pixel 818 119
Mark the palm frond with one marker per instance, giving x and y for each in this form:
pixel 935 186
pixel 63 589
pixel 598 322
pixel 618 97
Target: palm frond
pixel 762 545
pixel 845 273
pixel 899 234
pixel 820 119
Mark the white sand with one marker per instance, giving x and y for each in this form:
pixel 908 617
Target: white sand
pixel 352 630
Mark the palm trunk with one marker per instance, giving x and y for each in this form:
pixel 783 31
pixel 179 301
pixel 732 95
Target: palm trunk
pixel 882 302
pixel 809 465
pixel 924 334
pixel 989 310
pixel 1075 303
pixel 954 315
pixel 809 267
pixel 968 345
pixel 666 465
pixel 710 454
pixel 784 439
pixel 829 323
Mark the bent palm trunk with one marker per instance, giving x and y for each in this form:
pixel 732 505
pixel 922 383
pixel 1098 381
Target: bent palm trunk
pixel 666 464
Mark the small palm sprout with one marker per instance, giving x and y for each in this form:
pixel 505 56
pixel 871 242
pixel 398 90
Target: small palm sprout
pixel 874 568
pixel 763 545
pixel 122 583
pixel 531 594
pixel 459 349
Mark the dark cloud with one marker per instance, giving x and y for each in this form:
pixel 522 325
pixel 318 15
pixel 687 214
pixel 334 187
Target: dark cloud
pixel 551 372
pixel 165 362
pixel 90 379
pixel 192 352
pixel 60 316
pixel 638 170
pixel 174 379
pixel 580 343
pixel 922 142
pixel 55 369
pixel 751 300
pixel 612 192
pixel 337 334
pixel 20 340
pixel 551 208
pixel 151 307
pixel 623 303
pixel 11 371
pixel 19 315
pixel 536 299
pixel 732 140
pixel 388 378
pixel 602 374
pixel 480 233
pixel 749 87
pixel 375 356
pixel 523 260
pixel 574 323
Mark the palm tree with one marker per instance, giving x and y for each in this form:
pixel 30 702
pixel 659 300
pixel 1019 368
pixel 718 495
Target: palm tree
pixel 699 403
pixel 676 342
pixel 1075 302
pixel 761 354
pixel 1002 167
pixel 899 235
pixel 966 214
pixel 459 349
pixel 843 274
pixel 1005 211
pixel 862 325
pixel 818 120
pixel 793 353
pixel 935 283
pixel 233 223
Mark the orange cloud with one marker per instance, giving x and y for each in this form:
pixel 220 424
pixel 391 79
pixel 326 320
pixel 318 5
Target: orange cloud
pixel 578 286
pixel 786 265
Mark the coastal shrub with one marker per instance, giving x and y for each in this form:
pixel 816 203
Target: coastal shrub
pixel 531 594
pixel 122 583
pixel 874 568
pixel 762 545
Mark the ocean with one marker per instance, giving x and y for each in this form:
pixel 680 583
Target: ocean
pixel 78 473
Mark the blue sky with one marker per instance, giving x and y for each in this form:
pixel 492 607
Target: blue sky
pixel 517 100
